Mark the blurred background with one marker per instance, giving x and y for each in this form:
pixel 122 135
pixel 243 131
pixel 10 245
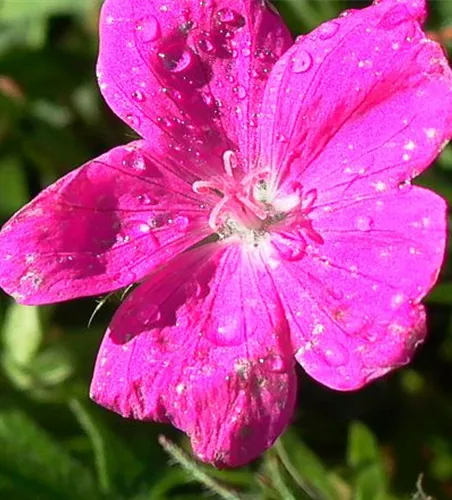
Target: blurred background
pixel 55 444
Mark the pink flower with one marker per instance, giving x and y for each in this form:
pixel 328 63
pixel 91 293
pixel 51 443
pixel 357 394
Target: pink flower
pixel 267 211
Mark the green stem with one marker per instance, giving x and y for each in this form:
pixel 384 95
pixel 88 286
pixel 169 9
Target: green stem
pixel 194 470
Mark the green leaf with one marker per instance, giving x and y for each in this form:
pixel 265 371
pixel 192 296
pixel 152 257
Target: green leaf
pixel 278 480
pixel 37 464
pixel 305 467
pixel 363 457
pixel 22 334
pixel 13 10
pixel 197 472
pixel 26 366
pixel 13 186
pixel 441 294
pixel 116 466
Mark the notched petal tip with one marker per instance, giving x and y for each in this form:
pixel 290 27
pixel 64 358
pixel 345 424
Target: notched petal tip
pixel 253 404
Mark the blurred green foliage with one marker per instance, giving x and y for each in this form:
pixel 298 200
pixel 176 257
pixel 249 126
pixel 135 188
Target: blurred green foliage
pixel 56 444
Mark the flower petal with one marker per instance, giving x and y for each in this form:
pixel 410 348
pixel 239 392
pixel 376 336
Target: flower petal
pixel 189 74
pixel 353 301
pixel 99 228
pixel 203 344
pixel 363 103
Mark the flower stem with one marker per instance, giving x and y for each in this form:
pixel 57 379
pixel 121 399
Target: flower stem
pixel 194 470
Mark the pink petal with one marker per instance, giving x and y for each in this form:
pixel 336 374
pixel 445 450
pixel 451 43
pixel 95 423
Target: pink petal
pixel 203 344
pixel 189 74
pixel 363 103
pixel 99 228
pixel 353 301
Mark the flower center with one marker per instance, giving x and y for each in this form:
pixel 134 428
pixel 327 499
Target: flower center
pixel 249 205
pixel 243 200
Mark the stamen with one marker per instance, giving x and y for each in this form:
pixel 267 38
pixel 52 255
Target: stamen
pixel 216 212
pixel 201 187
pixel 257 211
pixel 229 161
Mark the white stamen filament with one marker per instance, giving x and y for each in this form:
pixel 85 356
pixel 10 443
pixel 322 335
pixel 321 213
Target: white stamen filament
pixel 201 187
pixel 229 162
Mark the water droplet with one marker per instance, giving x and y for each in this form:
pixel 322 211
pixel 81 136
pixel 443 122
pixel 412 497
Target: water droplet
pixel 206 45
pixel 328 30
pixel 151 314
pixel 398 15
pixel 231 17
pixel 348 12
pixel 289 248
pixel 133 120
pixel 146 199
pixel 134 229
pixel 397 300
pixel 177 64
pixel 333 353
pixel 405 185
pixel 275 363
pixel 240 91
pixel 180 223
pixel 302 62
pixel 137 95
pixel 149 29
pixel 186 27
pixel 364 223
pixel 135 160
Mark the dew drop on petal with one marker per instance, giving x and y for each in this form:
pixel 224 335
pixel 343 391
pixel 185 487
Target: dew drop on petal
pixel 133 120
pixel 328 30
pixel 231 17
pixel 150 315
pixel 302 62
pixel 134 160
pixel 240 91
pixel 288 248
pixel 275 363
pixel 182 63
pixel 180 223
pixel 138 96
pixel 364 223
pixel 396 16
pixel 334 354
pixel 206 45
pixel 134 229
pixel 149 29
pixel 146 199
